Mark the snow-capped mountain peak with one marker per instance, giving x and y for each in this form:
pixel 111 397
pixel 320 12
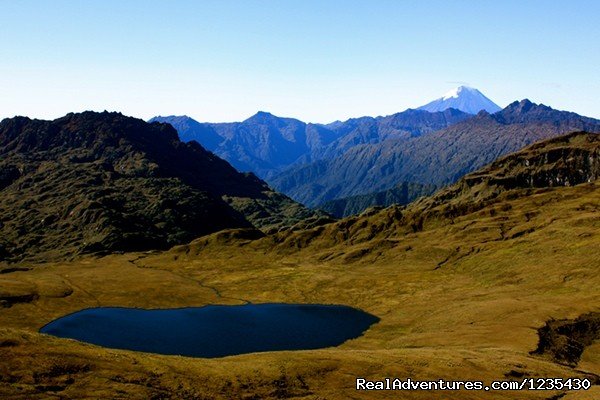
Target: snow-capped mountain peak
pixel 463 98
pixel 455 93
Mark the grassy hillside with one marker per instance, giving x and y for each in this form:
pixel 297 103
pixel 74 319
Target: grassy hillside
pixel 103 182
pixel 460 294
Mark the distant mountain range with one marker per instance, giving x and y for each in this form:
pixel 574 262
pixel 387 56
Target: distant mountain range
pixel 263 144
pixel 266 144
pixel 370 156
pixel 103 182
pixel 463 98
pixel 437 158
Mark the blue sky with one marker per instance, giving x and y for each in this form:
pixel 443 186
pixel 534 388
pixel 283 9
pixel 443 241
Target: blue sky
pixel 319 61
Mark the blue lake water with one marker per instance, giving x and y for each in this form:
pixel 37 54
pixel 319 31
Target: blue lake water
pixel 215 330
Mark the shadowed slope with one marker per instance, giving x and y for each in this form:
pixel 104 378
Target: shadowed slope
pixel 95 182
pixel 401 194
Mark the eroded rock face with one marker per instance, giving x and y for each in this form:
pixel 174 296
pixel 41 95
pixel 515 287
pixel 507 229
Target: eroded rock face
pixel 103 182
pixel 565 340
pixel 567 160
pixel 564 161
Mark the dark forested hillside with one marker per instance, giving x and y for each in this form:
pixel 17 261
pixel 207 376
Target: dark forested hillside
pixel 438 158
pixel 401 194
pixel 95 182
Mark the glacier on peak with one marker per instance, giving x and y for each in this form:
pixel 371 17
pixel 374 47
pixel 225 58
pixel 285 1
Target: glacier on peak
pixel 463 98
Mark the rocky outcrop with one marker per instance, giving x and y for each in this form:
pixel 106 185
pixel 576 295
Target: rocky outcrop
pixel 566 160
pixel 564 340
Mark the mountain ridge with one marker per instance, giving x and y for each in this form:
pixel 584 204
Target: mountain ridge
pixel 439 158
pixel 563 161
pixel 103 182
pixel 267 144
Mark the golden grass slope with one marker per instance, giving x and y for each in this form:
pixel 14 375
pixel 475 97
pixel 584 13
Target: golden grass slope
pixel 460 300
pixel 461 287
